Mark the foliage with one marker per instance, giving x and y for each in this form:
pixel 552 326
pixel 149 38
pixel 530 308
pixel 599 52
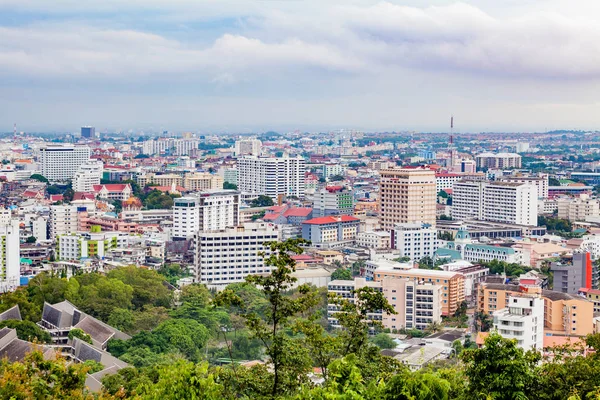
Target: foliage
pixel 500 267
pixel 157 200
pixel 228 185
pixel 173 272
pixel 31 239
pixel 262 201
pixel 555 224
pixel 336 178
pixel 39 177
pixel 147 284
pixel 384 341
pixel 80 334
pixel 30 310
pixel 259 215
pixel 27 330
pixel 93 366
pixel 342 273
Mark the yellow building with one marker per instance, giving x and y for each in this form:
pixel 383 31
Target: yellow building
pixel 199 181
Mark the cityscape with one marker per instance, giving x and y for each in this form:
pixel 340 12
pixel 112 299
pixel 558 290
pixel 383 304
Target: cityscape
pixel 372 200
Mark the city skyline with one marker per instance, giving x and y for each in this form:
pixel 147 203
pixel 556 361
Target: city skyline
pixel 284 65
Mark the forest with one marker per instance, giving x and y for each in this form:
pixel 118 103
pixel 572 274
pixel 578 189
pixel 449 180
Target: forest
pixel 190 344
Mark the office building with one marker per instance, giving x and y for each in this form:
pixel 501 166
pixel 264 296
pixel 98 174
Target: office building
pixel 271 176
pixel 578 209
pixel 88 175
pixel 61 162
pixel 88 132
pixel 564 314
pixel 522 320
pixel 452 284
pixel 416 305
pixel 504 202
pixel 229 255
pixel 10 257
pixel 445 180
pixel 570 278
pixel 407 196
pixel 247 147
pixel 498 160
pixel 415 240
pixel 333 200
pixel 205 211
pixel 331 232
pixel 201 181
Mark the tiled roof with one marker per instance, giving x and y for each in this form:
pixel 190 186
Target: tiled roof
pixel 331 220
pixel 298 212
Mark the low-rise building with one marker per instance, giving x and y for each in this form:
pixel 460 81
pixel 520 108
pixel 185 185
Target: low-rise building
pixel 373 239
pixel 415 240
pixel 522 320
pixel 331 232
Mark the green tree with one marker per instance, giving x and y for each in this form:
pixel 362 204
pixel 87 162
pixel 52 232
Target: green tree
pixel 227 185
pixel 39 177
pixel 148 286
pixel 80 334
pixel 29 309
pixel 336 178
pixel 262 201
pixel 31 239
pixel 27 330
pixel 105 295
pixel 500 369
pixel 384 341
pixel 342 273
pixel 288 361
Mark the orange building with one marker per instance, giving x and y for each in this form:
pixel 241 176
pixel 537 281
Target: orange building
pixel 564 314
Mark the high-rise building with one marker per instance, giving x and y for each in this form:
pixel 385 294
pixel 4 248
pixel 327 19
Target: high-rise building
pixel 407 195
pixel 10 258
pixel 522 320
pixel 540 182
pixel 581 274
pixel 205 211
pixel 88 132
pixel 416 305
pixel 272 176
pixel 415 240
pixel 64 219
pixel 229 255
pixel 333 200
pixel 178 147
pixel 61 162
pixel 505 202
pixel 498 160
pixel 88 175
pixel 247 147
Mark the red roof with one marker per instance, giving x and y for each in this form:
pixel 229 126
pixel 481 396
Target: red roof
pixel 331 220
pixel 446 175
pixel 277 209
pixel 332 189
pixel 56 197
pixel 83 196
pixel 298 212
pixel 528 281
pixel 31 193
pixel 112 187
pixel 271 216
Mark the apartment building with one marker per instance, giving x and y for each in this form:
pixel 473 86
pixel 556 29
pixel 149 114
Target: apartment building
pixel 578 209
pixel 229 255
pixel 445 180
pixel 415 240
pixel 88 175
pixel 75 246
pixel 540 182
pixel 332 169
pixel 10 256
pixel 247 147
pixel 61 162
pixel 333 200
pixel 504 202
pixel 373 239
pixel 452 284
pixel 201 181
pixel 210 210
pixel 498 160
pixel 172 146
pixel 331 232
pixel 416 305
pixel 272 176
pixel 522 320
pixel 64 219
pixel 570 278
pixel 407 196
pixel 564 314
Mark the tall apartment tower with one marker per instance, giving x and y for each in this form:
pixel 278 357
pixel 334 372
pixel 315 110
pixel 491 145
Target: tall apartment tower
pixel 248 147
pixel 407 196
pixel 10 267
pixel 272 176
pixel 61 162
pixel 207 211
pixel 88 132
pixel 87 176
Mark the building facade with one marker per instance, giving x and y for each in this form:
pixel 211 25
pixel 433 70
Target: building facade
pixel 498 160
pixel 415 240
pixel 272 176
pixel 333 200
pixel 523 321
pixel 88 175
pixel 407 196
pixel 330 232
pixel 10 257
pixel 61 162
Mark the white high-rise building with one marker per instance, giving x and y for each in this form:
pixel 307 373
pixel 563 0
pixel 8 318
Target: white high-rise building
pixel 205 211
pixel 272 176
pixel 522 320
pixel 87 176
pixel 229 255
pixel 64 219
pixel 498 160
pixel 179 147
pixel 247 147
pixel 10 257
pixel 540 182
pixel 61 162
pixel 505 202
pixel 415 240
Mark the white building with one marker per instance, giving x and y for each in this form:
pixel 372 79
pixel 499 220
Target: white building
pixel 540 182
pixel 61 162
pixel 446 180
pixel 88 175
pixel 206 211
pixel 505 202
pixel 10 257
pixel 415 240
pixel 229 175
pixel 271 176
pixel 416 305
pixel 247 147
pixel 333 169
pixel 179 147
pixel 522 320
pixel 373 239
pixel 228 256
pixel 64 219
pixel 578 209
pixel 498 160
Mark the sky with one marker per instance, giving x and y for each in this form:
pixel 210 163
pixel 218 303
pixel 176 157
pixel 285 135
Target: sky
pixel 257 65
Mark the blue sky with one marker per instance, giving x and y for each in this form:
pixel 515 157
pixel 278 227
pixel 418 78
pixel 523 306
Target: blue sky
pixel 253 65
